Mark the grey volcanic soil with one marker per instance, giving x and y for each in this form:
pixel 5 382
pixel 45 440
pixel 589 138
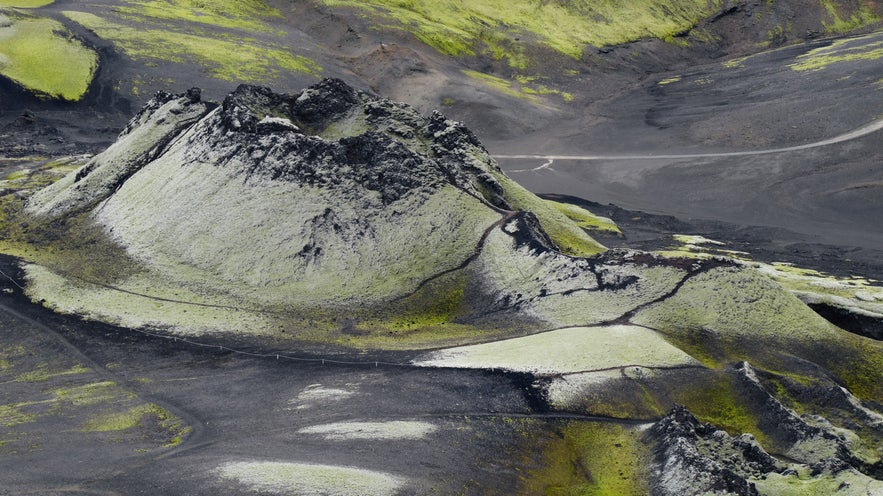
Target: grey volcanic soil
pixel 832 193
pixel 245 408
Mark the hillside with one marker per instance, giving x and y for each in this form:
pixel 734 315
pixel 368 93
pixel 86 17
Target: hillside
pixel 483 247
pixel 534 78
pixel 343 222
pixel 345 201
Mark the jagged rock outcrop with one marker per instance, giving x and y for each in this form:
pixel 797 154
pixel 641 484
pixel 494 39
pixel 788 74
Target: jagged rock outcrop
pixel 693 458
pixel 690 453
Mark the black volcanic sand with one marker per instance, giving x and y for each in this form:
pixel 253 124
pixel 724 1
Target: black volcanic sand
pixel 648 231
pixel 831 193
pixel 242 408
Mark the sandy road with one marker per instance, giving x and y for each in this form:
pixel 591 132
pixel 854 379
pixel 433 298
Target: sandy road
pixel 862 131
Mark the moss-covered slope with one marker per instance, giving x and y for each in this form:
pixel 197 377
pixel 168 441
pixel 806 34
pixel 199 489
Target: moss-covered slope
pixel 289 205
pixel 333 217
pixel 40 54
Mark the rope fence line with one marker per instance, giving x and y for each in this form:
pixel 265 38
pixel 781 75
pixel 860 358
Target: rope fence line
pixel 13 281
pixel 281 355
pixel 277 355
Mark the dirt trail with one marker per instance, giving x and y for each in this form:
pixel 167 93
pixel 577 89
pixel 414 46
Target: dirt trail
pixel 860 132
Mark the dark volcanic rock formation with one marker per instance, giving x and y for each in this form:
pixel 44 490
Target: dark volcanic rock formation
pixel 341 197
pixel 689 453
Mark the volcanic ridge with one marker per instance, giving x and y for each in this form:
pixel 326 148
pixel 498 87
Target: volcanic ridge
pixel 335 220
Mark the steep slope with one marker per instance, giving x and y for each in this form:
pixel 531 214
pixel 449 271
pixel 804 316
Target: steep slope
pixel 343 199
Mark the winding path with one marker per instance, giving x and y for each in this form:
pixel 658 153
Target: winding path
pixel 862 131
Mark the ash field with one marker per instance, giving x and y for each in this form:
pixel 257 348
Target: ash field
pixel 346 248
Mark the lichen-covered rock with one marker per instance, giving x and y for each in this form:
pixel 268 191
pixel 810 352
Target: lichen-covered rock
pixel 799 439
pixel 144 139
pixel 693 458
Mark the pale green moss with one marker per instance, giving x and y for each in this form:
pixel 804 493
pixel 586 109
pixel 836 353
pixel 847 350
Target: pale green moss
pixel 25 4
pixel 245 15
pixel 733 313
pixel 585 219
pixel 194 290
pixel 43 373
pixel 415 335
pixel 12 415
pixel 566 351
pixel 565 233
pixel 143 300
pixel 456 28
pixel 239 59
pixel 303 479
pixel 592 459
pixel 392 430
pixel 845 50
pixel 42 56
pixel 572 301
pixel 845 483
pixel 859 293
pixel 141 416
pixel 855 294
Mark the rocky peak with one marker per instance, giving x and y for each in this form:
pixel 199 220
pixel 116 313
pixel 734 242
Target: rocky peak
pixel 324 102
pixel 342 197
pixel 332 135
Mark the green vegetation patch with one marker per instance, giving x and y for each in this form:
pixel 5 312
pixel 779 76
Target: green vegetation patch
pixel 145 416
pixel 43 373
pixel 846 50
pixel 618 393
pixel 229 59
pixel 589 459
pixel 585 219
pixel 42 56
pixel 730 314
pixel 522 87
pixel 92 393
pixel 669 80
pixel 466 28
pixel 838 22
pixel 801 482
pixel 566 351
pixel 245 15
pixel 303 478
pixel 497 83
pixel 25 4
pixel 715 400
pixel 565 233
pixel 13 415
